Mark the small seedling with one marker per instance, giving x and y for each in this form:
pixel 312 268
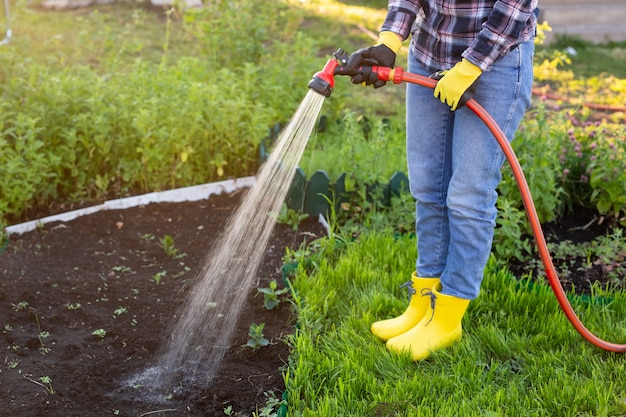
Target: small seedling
pixel 146 237
pixel 75 306
pixel 290 217
pixel 167 244
pixel 103 291
pixel 42 335
pixel 272 405
pixel 121 268
pixel 158 277
pixel 257 340
pixel 21 306
pixel 119 311
pixel 231 413
pixel 100 333
pixel 271 295
pixel 185 270
pixel 46 382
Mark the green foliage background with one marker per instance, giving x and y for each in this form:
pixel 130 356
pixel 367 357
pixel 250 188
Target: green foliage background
pixel 126 123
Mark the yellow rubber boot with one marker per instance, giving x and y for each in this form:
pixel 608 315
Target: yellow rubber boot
pixel 440 327
pixel 418 306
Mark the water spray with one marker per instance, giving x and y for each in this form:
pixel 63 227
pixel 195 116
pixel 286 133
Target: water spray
pixel 323 82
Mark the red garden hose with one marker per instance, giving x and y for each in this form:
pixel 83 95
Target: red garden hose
pixel 323 82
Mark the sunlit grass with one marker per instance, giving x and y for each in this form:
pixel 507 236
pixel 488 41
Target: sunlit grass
pixel 589 59
pixel 368 16
pixel 519 355
pixel 86 36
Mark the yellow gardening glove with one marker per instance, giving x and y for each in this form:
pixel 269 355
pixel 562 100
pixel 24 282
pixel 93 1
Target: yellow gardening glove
pixel 382 54
pixel 457 85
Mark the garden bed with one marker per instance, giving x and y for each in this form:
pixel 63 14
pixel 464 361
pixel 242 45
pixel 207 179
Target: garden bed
pixel 63 282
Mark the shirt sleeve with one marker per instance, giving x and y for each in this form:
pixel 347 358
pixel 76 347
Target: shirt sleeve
pixel 400 17
pixel 507 23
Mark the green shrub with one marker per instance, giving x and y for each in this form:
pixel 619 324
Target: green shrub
pixel 536 145
pixel 78 132
pixel 569 164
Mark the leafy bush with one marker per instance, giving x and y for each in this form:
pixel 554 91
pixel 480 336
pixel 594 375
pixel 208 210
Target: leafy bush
pixel 79 133
pixel 372 148
pixel 607 171
pixel 535 145
pixel 568 163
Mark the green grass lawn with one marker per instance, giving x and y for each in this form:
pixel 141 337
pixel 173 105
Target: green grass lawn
pixel 519 355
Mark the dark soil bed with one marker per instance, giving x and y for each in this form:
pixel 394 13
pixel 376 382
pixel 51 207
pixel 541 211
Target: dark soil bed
pixel 64 281
pixel 61 283
pixel 577 272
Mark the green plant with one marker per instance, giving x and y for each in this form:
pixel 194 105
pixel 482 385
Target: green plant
pixel 610 252
pixel 535 145
pixel 46 382
pixel 147 237
pixel 158 277
pixel 119 311
pixel 230 412
pixel 103 292
pixel 354 145
pixel 290 217
pixel 121 268
pixel 272 406
pixel 510 239
pixel 256 338
pixel 21 306
pixel 167 244
pixel 95 148
pixel 41 334
pixel 271 295
pixel 99 333
pixel 607 175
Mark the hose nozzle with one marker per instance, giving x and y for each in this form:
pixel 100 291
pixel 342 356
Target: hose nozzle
pixel 323 81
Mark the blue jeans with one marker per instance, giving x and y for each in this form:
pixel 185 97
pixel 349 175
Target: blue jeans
pixel 454 167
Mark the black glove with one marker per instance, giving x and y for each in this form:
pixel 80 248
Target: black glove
pixel 382 54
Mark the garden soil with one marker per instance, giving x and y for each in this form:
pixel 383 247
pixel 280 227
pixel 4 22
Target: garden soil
pixel 63 282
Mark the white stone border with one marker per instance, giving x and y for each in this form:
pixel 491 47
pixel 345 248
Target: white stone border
pixel 193 193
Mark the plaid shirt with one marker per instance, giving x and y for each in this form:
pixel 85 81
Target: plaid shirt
pixel 482 31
